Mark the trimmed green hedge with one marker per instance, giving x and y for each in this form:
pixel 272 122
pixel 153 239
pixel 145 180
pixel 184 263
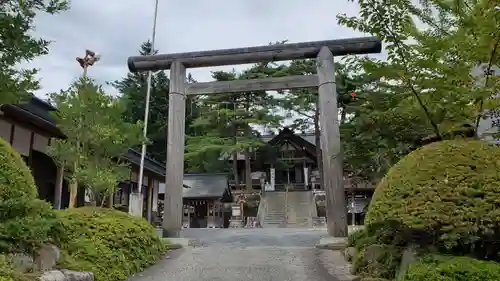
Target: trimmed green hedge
pixel 451 187
pixel 15 177
pixel 391 236
pixel 25 224
pixel 446 268
pixel 110 243
pixel 25 221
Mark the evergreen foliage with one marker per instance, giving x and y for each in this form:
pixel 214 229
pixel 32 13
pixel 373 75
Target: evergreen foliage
pixel 112 244
pixel 96 138
pixel 449 187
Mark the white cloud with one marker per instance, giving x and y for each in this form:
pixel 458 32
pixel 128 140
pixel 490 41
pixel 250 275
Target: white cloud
pixel 116 28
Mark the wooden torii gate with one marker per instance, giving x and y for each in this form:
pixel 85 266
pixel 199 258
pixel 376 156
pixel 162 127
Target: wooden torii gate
pixel 323 51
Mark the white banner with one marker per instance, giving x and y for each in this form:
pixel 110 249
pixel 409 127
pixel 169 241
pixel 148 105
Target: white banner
pixel 236 212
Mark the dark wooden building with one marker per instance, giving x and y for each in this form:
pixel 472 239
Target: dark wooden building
pixel 29 128
pixel 293 157
pixel 206 200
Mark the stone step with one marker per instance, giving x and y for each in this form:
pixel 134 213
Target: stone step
pixel 298 222
pixel 301 219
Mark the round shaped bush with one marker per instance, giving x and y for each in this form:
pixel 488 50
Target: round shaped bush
pixel 111 244
pixel 15 177
pixel 451 187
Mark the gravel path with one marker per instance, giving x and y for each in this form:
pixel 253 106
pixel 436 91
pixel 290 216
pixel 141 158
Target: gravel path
pixel 281 254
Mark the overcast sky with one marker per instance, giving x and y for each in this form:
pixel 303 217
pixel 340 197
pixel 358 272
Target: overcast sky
pixel 116 28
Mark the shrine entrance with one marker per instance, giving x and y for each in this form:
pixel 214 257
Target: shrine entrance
pixel 202 213
pixel 322 51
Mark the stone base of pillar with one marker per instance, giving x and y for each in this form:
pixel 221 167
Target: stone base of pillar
pixel 172 233
pixel 235 223
pixel 155 220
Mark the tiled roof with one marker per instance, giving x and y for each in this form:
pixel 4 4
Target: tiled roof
pixel 42 109
pixel 205 185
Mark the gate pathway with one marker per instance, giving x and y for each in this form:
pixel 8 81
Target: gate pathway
pixel 275 254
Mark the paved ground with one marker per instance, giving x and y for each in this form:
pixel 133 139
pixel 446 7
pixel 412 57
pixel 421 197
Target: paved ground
pixel 246 255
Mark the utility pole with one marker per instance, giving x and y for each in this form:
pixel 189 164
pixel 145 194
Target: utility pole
pixel 88 60
pixel 139 196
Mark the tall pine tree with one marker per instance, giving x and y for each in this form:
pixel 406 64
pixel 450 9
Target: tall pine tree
pixel 133 90
pixel 228 124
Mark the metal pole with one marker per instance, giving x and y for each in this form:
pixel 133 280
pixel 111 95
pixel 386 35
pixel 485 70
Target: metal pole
pixel 353 205
pixel 286 206
pixel 146 110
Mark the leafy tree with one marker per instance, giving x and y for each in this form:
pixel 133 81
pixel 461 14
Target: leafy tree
pixel 377 133
pixel 226 124
pixel 115 137
pixel 96 138
pixel 423 90
pixel 429 67
pixel 18 45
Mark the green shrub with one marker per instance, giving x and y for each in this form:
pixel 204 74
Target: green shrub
pixel 391 236
pixel 356 237
pixel 384 267
pixel 25 221
pixel 450 187
pixel 390 232
pixel 15 177
pixel 446 268
pixel 110 243
pixel 6 270
pixel 25 224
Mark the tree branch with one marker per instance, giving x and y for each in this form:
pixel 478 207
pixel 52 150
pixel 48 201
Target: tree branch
pixel 303 114
pixel 488 75
pixel 410 84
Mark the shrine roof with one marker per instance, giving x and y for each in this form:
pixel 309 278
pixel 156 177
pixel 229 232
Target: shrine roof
pixel 205 185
